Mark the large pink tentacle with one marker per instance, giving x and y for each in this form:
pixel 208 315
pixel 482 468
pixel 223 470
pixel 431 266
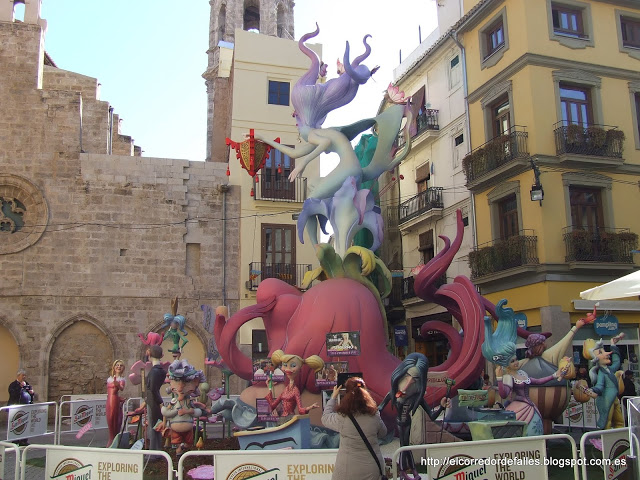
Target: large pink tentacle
pixel 225 335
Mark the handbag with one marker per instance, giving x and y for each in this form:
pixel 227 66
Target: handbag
pixel 369 447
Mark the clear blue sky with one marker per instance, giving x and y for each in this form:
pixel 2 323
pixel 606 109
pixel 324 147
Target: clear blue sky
pixel 149 55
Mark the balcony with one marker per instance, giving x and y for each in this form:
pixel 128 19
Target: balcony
pixel 593 140
pixel 423 202
pixel 518 251
pixel 278 188
pixel 495 154
pixel 407 286
pixel 291 273
pixel 605 245
pixel 395 297
pixel 428 120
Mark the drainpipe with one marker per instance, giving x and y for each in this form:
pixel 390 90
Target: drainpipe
pixel 224 188
pixel 467 124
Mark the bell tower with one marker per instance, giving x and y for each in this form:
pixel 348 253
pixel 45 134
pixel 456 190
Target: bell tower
pixel 266 17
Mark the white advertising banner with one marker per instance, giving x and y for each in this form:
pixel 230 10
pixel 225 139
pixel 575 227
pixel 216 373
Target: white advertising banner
pixel 270 465
pixel 580 414
pixel 83 412
pixel 521 459
pixel 26 421
pixel 615 446
pixel 82 464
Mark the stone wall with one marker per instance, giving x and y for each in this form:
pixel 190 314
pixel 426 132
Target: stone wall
pixel 95 245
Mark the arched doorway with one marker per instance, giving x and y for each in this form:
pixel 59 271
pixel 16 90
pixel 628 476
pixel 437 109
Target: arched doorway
pixel 10 364
pixel 79 361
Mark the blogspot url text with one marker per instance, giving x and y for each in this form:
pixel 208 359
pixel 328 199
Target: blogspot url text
pixel 522 462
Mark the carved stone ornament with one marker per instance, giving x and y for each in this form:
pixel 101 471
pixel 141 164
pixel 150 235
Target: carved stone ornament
pixel 23 213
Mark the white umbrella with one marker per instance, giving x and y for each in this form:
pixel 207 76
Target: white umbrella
pixel 627 286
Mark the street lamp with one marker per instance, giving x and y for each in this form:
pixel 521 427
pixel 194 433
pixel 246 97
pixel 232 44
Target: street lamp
pixel 537 193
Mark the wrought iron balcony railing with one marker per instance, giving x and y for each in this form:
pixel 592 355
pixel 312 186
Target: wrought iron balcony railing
pixel 421 203
pixel 397 288
pixel 600 245
pixel 291 273
pixel 599 140
pixel 278 188
pixel 495 153
pixel 500 255
pixel 428 120
pixel 407 286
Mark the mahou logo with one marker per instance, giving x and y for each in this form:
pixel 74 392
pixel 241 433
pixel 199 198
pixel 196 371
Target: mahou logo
pixel 83 415
pixel 19 422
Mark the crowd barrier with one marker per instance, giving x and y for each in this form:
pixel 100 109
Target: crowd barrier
pixel 309 464
pixel 6 447
pixel 27 421
pixel 83 414
pixel 93 463
pixel 508 458
pixel 613 448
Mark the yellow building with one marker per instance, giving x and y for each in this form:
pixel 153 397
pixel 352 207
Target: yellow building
pixel 554 90
pixel 263 70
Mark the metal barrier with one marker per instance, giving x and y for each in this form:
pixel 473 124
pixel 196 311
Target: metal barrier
pixel 289 463
pixel 12 447
pixel 94 463
pixel 508 458
pixel 31 420
pixel 83 414
pixel 615 449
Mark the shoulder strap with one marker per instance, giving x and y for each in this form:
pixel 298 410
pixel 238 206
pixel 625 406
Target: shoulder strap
pixel 366 442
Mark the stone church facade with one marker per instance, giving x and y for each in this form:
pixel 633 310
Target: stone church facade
pixel 94 239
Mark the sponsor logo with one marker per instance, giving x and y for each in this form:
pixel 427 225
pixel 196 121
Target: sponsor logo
pixel 252 471
pixel 19 422
pixel 619 451
pixel 71 469
pixel 83 415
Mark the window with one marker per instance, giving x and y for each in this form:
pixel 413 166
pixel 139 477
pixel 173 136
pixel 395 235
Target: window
pixel 417 108
pixel 274 177
pixel 501 116
pixel 458 149
pixel 279 252
pixel 575 105
pixel 425 246
pixel 423 174
pixel 586 208
pixel 494 38
pixel 455 72
pixel 636 96
pixel 278 93
pixel 567 21
pixel 508 217
pixel 630 32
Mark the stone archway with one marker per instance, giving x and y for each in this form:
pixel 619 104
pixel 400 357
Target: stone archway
pixel 79 361
pixel 10 364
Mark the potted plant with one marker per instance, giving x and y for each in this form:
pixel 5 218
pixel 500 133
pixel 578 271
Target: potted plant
pixel 615 140
pixel 575 134
pixel 596 136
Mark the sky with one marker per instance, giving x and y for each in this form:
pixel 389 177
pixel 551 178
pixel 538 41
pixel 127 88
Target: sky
pixel 149 56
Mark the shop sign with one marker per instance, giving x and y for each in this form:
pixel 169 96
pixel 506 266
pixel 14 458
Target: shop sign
pixel 606 325
pixel 401 337
pixel 521 320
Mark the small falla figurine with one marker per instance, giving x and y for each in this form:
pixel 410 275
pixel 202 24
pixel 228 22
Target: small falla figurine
pixel 180 412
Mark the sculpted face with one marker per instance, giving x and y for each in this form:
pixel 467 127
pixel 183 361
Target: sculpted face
pixel 292 367
pixel 408 384
pixel 514 363
pixel 603 356
pixel 184 389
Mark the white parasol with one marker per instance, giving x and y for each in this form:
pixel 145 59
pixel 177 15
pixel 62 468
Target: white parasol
pixel 627 286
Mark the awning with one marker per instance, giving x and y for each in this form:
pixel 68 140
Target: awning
pixel 627 286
